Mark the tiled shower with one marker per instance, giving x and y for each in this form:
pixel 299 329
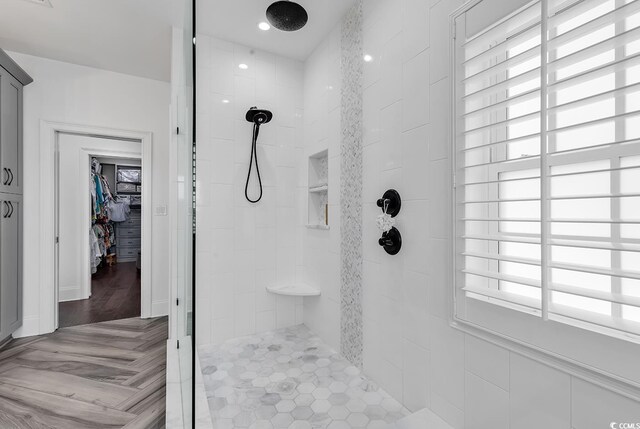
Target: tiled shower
pixel 381 323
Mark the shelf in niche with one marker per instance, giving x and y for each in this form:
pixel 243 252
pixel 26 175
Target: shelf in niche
pixel 323 227
pixel 318 201
pixel 299 289
pixel 318 188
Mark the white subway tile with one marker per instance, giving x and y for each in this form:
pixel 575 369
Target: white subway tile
pixel 594 407
pixel 244 314
pixel 220 218
pixel 447 362
pixel 222 297
pixel 286 311
pixel 415 156
pixel 415 382
pixel 486 405
pixel 487 361
pixel 539 395
pixel 439 286
pixel 414 313
pixel 391 143
pixel 391 72
pixel 415 228
pixel 265 321
pixel 222 330
pixel 371 103
pixel 222 161
pixel 439 194
pixel 440 114
pixel 415 92
pixel 448 412
pixel 415 27
pixel 286 147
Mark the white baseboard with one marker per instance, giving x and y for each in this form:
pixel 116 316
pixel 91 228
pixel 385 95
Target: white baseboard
pixel 30 327
pixel 73 294
pixel 159 308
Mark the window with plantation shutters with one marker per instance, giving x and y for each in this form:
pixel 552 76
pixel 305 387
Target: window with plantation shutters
pixel 547 165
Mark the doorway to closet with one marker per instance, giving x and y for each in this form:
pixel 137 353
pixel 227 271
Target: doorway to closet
pixel 99 227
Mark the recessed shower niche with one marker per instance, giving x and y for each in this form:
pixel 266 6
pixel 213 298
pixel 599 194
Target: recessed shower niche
pixel 318 217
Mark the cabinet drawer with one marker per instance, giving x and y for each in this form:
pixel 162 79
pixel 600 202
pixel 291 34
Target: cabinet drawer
pixel 132 221
pixel 127 233
pixel 128 242
pixel 127 252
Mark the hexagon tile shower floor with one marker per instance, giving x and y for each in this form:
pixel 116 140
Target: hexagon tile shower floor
pixel 289 378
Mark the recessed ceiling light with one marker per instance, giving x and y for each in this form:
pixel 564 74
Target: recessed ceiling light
pixel 243 66
pixel 368 58
pixel 225 101
pixel 264 26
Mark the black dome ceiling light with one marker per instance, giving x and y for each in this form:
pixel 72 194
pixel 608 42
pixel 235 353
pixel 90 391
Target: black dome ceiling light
pixel 287 16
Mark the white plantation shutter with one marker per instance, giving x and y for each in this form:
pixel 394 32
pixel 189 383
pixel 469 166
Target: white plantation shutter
pixel 547 163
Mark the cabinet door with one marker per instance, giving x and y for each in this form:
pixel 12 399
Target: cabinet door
pixel 10 134
pixel 10 264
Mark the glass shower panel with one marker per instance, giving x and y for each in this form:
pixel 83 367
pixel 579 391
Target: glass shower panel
pixel 183 157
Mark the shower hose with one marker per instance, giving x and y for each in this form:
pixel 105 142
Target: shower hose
pixel 254 157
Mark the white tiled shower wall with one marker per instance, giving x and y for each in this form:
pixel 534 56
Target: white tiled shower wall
pixel 242 247
pixel 320 249
pixel 409 347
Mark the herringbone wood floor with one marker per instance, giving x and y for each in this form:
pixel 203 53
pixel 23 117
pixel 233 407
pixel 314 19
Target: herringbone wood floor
pixel 103 375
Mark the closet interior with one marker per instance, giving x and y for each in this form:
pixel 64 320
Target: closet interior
pixel 116 196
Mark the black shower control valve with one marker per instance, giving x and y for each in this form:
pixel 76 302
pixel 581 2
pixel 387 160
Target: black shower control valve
pixel 391 241
pixel 385 241
pixel 381 202
pixel 392 201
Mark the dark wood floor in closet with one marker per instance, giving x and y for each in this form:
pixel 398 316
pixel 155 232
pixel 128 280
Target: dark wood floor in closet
pixel 104 375
pixel 115 295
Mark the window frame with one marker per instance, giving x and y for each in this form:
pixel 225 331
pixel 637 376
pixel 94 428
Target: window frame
pixel 605 360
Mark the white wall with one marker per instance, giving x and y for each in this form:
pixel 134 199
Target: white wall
pixel 74 152
pixel 243 247
pixel 319 263
pixel 69 93
pixel 409 347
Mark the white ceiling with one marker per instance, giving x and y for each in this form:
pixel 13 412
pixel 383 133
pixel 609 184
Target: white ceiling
pixel 134 36
pixel 237 21
pixel 126 36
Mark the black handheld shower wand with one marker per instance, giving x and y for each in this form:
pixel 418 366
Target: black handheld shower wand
pixel 258 117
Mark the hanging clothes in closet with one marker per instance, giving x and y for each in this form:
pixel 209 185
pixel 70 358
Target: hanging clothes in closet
pixel 102 238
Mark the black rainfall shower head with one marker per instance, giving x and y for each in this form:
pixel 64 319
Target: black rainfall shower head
pixel 287 15
pixel 259 117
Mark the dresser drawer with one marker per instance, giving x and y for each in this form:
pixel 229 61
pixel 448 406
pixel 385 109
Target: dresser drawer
pixel 127 252
pixel 122 233
pixel 132 221
pixel 128 242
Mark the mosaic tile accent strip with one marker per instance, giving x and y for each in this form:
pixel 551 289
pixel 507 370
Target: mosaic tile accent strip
pixel 351 187
pixel 289 378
